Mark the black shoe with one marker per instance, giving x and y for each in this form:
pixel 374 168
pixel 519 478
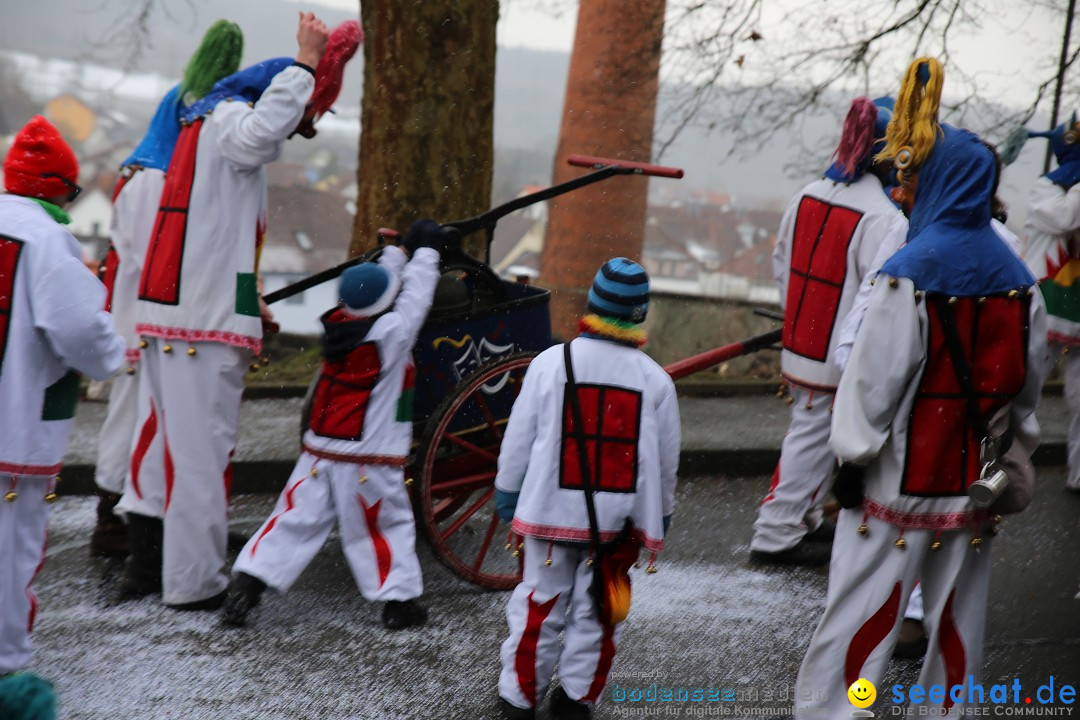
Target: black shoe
pixel 244 594
pixel 213 602
pixel 805 553
pixel 142 572
pixel 507 711
pixel 912 641
pixel 563 708
pixel 134 587
pixel 825 532
pixel 110 536
pixel 400 614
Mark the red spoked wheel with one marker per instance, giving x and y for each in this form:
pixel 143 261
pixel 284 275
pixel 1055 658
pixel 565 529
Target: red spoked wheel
pixel 456 463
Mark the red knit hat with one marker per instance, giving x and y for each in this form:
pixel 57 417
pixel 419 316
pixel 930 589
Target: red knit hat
pixel 39 161
pixel 344 41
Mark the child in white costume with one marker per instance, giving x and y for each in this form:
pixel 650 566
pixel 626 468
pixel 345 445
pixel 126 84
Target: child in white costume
pixel 53 326
pixel 357 444
pixel 828 238
pixel 901 429
pixel 630 415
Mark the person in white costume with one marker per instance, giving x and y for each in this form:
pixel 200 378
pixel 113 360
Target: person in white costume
pixel 53 326
pixel 357 444
pixel 900 427
pixel 630 417
pixel 135 205
pixel 828 238
pixel 199 311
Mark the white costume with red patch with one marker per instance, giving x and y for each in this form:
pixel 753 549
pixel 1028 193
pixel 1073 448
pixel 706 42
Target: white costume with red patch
pixel 199 310
pixel 52 326
pixel 631 418
pixel 900 410
pixel 828 238
pixel 135 207
pixel 354 454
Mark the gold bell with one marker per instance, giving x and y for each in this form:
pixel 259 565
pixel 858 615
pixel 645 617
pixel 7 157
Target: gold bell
pixel 936 545
pixel 976 541
pixel 863 530
pixel 167 348
pixel 143 344
pixel 192 352
pixel 131 370
pixel 547 562
pixel 364 479
pixel 508 546
pixel 981 300
pixel 780 392
pixel 790 400
pixel 893 282
pixel 1013 294
pixel 516 553
pixel 918 295
pixel 953 300
pixel 808 406
pixel 50 498
pixel 10 496
pixel 589 562
pixel 651 569
pixel 254 367
pixel 314 472
pixel 408 482
pixel 900 543
pixel 264 360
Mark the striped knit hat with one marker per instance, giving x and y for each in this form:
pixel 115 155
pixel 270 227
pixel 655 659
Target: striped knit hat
pixel 368 289
pixel 620 290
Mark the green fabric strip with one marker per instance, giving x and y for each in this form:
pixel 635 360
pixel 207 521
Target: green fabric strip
pixel 61 398
pixel 405 405
pixel 55 212
pixel 1062 301
pixel 247 294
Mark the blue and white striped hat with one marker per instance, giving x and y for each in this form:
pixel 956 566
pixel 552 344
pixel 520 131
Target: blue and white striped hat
pixel 368 289
pixel 620 290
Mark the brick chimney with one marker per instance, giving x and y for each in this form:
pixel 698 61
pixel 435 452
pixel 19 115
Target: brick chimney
pixel 609 112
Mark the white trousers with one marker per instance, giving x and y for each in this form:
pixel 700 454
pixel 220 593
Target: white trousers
pixel 196 401
pixel 372 508
pixel 23 523
pixel 1071 368
pixel 549 600
pixel 790 509
pixel 870 580
pixel 130 416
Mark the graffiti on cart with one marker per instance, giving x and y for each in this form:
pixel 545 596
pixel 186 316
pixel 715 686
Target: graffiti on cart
pixel 474 354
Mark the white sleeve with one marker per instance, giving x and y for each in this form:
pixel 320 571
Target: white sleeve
pixel 1058 213
pixel 250 137
pixel 393 259
pixel 520 434
pixel 418 280
pixel 667 415
pixel 888 351
pixel 68 308
pixel 892 241
pixel 1022 410
pixel 781 258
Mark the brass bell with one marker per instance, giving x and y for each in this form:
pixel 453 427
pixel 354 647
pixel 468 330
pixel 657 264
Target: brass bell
pixel 548 562
pixel 516 553
pixel 780 392
pixel 192 352
pixel 314 472
pixel 863 530
pixel 10 496
pixel 1013 294
pixel 264 360
pixel 981 300
pixel 936 545
pixel 408 482
pixel 363 479
pixel 900 543
pixel 919 295
pixel 131 370
pixel 651 569
pixel 893 282
pixel 976 541
pixel 50 498
pixel 167 348
pixel 790 400
pixel 953 300
pixel 808 406
pixel 143 344
pixel 508 547
pixel 254 367
pixel 589 562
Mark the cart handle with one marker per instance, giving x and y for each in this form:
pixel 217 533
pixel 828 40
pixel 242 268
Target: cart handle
pixel 697 363
pixel 641 168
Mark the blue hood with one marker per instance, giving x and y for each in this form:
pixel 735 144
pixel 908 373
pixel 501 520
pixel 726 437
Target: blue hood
pixel 246 85
pixel 156 148
pixel 1067 173
pixel 951 248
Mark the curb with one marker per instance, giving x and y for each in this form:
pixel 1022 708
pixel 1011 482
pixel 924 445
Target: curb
pixel 269 476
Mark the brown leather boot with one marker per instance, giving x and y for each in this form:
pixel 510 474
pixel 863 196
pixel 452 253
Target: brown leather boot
pixel 110 536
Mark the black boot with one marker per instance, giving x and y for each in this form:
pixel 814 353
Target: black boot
pixel 214 602
pixel 400 614
pixel 110 536
pixel 563 708
pixel 509 711
pixel 244 594
pixel 142 574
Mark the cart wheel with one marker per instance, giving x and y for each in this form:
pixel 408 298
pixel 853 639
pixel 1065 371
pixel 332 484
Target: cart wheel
pixel 456 463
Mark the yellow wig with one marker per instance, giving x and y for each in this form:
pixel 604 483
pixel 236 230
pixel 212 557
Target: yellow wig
pixel 914 127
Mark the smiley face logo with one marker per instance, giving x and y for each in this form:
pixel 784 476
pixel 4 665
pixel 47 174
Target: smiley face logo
pixel 862 693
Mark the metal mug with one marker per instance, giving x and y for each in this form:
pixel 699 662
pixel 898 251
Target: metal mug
pixel 988 488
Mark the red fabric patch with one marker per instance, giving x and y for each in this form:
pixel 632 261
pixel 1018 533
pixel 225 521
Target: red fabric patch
pixel 942 451
pixel 603 666
pixel 611 419
pixel 525 657
pixel 819 249
pixel 952 649
pixel 120 183
pixel 870 635
pixel 29 592
pixel 107 274
pixel 339 404
pixel 170 475
pixel 289 505
pixel 229 476
pixel 383 556
pixel 160 280
pixel 772 485
pixel 10 249
pixel 146 436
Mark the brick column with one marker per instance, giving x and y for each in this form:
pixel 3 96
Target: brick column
pixel 609 112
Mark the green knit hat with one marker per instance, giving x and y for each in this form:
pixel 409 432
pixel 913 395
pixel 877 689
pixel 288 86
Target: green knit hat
pixel 218 56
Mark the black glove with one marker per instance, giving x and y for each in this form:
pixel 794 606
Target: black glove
pixel 848 486
pixel 424 233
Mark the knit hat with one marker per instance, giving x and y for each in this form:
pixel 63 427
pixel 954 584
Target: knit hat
pixel 218 56
pixel 40 164
pixel 620 290
pixel 368 289
pixel 25 696
pixel 343 43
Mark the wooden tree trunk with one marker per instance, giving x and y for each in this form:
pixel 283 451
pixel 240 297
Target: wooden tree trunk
pixel 609 111
pixel 426 141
